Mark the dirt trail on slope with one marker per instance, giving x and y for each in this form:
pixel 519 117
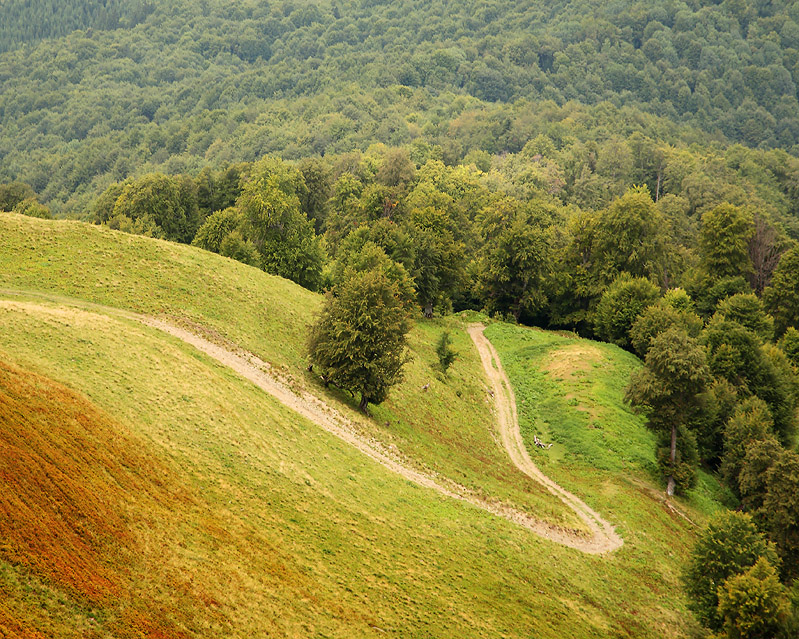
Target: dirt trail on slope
pixel 603 536
pixel 316 410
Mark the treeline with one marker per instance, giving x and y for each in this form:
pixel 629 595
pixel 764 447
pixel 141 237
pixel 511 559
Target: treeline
pixel 204 83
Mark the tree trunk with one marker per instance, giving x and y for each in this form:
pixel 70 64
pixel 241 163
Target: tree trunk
pixel 673 458
pixel 428 310
pixel 364 403
pixel 657 188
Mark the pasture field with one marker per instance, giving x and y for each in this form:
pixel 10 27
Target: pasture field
pixel 193 504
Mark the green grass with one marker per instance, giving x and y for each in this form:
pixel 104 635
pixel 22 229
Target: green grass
pixel 289 530
pixel 270 316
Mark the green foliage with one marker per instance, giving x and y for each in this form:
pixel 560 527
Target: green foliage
pixel 753 478
pixel 358 342
pixel 202 85
pixel 728 546
pixel 790 346
pixel 683 469
pixel 235 246
pixel 32 208
pixel 737 355
pixel 781 510
pixel 371 257
pixel 216 228
pixel 747 310
pixel 751 423
pixel 724 241
pixel 218 190
pixel 620 307
pixel 628 237
pixel 13 193
pixel 782 295
pixel 754 604
pixel 708 292
pixel 156 205
pixel 438 265
pixel 514 267
pixel 661 316
pixel 26 22
pixel 276 224
pixel 670 387
pixel 445 352
pixel 679 300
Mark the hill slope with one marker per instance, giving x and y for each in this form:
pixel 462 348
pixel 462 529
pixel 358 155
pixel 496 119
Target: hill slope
pixel 313 538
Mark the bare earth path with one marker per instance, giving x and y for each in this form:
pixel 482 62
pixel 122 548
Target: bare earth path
pixel 603 536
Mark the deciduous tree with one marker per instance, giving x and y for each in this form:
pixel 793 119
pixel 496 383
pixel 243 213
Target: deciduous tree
pixel 728 546
pixel 670 386
pixel 358 342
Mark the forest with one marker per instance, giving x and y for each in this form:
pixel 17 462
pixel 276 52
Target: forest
pixel 174 87
pixel 624 171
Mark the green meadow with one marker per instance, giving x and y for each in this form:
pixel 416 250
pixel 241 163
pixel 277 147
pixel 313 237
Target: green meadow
pixel 231 516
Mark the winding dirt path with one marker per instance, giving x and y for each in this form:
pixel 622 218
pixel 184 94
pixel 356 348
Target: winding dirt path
pixel 603 536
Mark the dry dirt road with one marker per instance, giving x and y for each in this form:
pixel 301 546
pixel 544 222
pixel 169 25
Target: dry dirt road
pixel 603 536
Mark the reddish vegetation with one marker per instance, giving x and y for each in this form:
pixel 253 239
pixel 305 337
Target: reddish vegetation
pixel 12 628
pixel 68 476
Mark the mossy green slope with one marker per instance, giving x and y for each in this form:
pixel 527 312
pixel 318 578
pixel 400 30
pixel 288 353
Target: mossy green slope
pixel 314 539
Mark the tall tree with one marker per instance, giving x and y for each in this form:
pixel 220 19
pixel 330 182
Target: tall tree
pixel 629 237
pixel 781 510
pixel 438 267
pixel 514 268
pixel 282 233
pixel 159 200
pixel 782 295
pixel 670 386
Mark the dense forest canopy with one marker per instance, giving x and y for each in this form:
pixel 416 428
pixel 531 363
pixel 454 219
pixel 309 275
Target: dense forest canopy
pixel 180 85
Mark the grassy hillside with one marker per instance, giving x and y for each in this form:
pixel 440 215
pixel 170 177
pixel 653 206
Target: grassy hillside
pixel 264 523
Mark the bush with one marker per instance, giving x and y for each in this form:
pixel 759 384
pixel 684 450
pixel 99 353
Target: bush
pixel 754 605
pixel 444 351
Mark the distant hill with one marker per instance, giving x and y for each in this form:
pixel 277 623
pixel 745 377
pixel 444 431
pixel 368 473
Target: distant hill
pixel 27 23
pixel 196 83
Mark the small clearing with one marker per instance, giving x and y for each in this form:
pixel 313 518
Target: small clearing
pixel 569 361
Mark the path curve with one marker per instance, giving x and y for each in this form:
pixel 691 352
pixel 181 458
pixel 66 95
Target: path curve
pixel 603 536
pixel 265 377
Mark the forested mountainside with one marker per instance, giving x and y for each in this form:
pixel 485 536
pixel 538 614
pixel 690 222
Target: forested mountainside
pixel 180 85
pixel 26 22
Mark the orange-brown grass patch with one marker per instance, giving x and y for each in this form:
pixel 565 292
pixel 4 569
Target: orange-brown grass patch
pixel 10 627
pixel 65 469
pixel 571 360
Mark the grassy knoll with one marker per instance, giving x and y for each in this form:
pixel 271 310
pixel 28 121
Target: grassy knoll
pixel 266 525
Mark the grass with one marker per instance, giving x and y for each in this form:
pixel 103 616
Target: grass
pixel 270 316
pixel 265 525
